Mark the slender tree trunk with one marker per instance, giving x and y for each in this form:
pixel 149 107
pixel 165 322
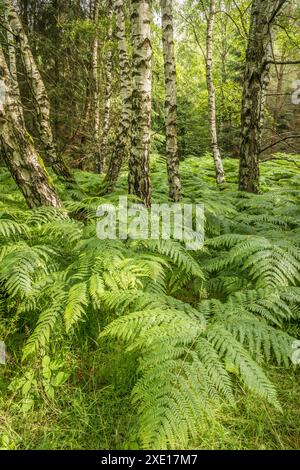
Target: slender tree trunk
pixel 96 89
pixel 212 95
pixel 279 100
pixel 108 91
pixel 256 81
pixel 170 100
pixel 56 71
pixel 40 95
pixel 224 55
pixel 139 173
pixel 15 90
pixel 84 130
pixel 18 151
pixel 24 7
pixel 122 145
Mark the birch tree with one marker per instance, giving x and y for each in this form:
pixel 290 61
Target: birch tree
pixel 96 89
pixel 170 99
pixel 139 174
pixel 256 81
pixel 123 139
pixel 212 95
pixel 39 94
pixel 12 45
pixel 108 68
pixel 19 153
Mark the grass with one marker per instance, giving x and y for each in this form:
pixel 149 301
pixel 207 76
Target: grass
pixel 102 418
pixel 254 425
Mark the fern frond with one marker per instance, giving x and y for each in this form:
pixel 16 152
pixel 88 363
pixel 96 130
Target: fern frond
pixel 174 251
pixel 76 305
pixel 249 371
pixel 40 337
pixel 10 229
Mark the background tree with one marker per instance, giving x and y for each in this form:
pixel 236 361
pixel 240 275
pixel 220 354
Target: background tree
pixel 256 81
pixel 108 76
pixel 40 95
pixel 19 153
pixel 139 172
pixel 170 100
pixel 123 139
pixel 96 89
pixel 211 93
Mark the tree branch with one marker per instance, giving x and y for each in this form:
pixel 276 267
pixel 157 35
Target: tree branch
pixel 276 10
pixel 284 62
pixel 297 136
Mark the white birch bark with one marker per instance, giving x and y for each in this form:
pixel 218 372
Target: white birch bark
pixel 19 153
pixel 40 96
pixel 139 173
pixel 212 94
pixel 123 140
pixel 170 100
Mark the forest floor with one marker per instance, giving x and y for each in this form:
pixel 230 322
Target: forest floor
pixel 93 409
pixel 101 419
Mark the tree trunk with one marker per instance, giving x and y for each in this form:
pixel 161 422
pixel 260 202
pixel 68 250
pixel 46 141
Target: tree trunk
pixel 84 146
pixel 279 99
pixel 40 95
pixel 139 173
pixel 15 90
pixel 212 95
pixel 24 11
pixel 18 151
pixel 223 56
pixel 122 145
pixel 56 69
pixel 256 81
pixel 96 89
pixel 108 90
pixel 170 100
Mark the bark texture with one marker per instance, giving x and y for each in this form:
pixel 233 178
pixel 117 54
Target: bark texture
pixel 279 97
pixel 40 96
pixel 19 153
pixel 108 92
pixel 123 139
pixel 12 46
pixel 96 89
pixel 212 95
pixel 170 100
pixel 139 173
pixel 256 81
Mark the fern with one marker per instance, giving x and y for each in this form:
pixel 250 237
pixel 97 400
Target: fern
pixel 76 304
pixel 195 323
pixel 9 229
pixel 268 262
pixel 45 326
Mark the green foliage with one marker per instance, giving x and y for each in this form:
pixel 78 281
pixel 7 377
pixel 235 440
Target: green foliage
pixel 192 330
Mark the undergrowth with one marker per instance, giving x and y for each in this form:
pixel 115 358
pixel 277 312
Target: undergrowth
pixel 141 343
